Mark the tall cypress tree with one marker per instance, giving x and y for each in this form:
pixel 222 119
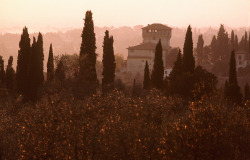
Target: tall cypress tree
pixel 200 46
pixel 146 81
pixel 232 43
pixel 246 42
pixel 10 74
pixel 188 58
pixel 246 93
pixel 50 65
pixel 222 49
pixel 60 71
pixel 236 43
pixel 158 69
pixel 175 83
pixel 88 77
pixel 213 49
pixel 33 73
pixel 40 59
pixel 108 62
pixel 23 62
pixel 232 92
pixel 2 72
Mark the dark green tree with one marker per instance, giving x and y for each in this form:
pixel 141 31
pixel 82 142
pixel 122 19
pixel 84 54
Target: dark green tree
pixel 2 72
pixel 236 43
pixel 23 59
pixel 246 42
pixel 50 65
pixel 87 83
pixel 213 46
pixel 10 74
pixel 249 44
pixel 158 69
pixel 134 89
pixel 246 93
pixel 146 81
pixel 60 71
pixel 200 46
pixel 222 49
pixel 175 82
pixel 40 59
pixel 232 90
pixel 108 62
pixel 232 43
pixel 188 58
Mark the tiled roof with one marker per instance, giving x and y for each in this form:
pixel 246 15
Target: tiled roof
pixel 145 46
pixel 157 26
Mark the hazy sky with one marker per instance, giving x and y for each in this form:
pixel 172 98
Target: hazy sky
pixel 70 13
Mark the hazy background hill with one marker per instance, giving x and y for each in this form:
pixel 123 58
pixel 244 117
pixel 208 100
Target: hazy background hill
pixel 68 40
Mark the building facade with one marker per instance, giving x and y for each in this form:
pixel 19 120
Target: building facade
pixel 242 59
pixel 139 54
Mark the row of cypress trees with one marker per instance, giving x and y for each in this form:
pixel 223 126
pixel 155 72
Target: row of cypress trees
pixel 7 77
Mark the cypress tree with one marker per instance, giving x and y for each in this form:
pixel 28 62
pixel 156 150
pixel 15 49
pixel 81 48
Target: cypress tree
pixel 60 71
pixel 213 49
pixel 23 62
pixel 108 62
pixel 200 45
pixel 249 45
pixel 236 43
pixel 146 81
pixel 175 83
pixel 188 58
pixel 50 65
pixel 246 93
pixel 88 77
pixel 10 74
pixel 232 92
pixel 33 73
pixel 222 49
pixel 158 69
pixel 177 68
pixel 232 43
pixel 245 42
pixel 2 72
pixel 40 59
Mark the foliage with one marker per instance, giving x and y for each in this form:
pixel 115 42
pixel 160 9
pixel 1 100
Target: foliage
pixel 2 72
pixel 188 58
pixel 146 81
pixel 60 71
pixel 10 74
pixel 246 93
pixel 50 65
pixel 108 62
pixel 23 58
pixel 88 56
pixel 158 68
pixel 200 46
pixel 115 126
pixel 232 90
pixel 171 57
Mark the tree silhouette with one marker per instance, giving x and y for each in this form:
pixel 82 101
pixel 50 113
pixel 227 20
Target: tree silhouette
pixel 87 82
pixel 108 62
pixel 10 74
pixel 158 69
pixel 200 46
pixel 188 58
pixel 146 81
pixel 50 65
pixel 2 72
pixel 60 71
pixel 232 90
pixel 23 63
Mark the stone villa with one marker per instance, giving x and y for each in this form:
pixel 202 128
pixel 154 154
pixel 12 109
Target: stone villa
pixel 139 54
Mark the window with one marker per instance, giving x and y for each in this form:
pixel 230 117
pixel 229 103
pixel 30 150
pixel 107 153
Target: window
pixel 155 30
pixel 166 72
pixel 142 60
pixel 240 62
